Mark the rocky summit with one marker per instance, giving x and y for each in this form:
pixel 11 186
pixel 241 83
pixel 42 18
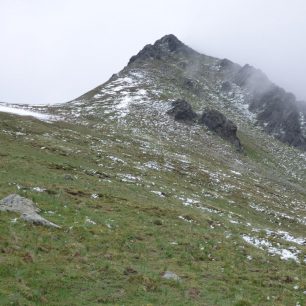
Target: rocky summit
pixel 162 48
pixel 179 181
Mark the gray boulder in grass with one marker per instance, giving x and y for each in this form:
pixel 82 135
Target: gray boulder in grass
pixel 26 208
pixel 171 275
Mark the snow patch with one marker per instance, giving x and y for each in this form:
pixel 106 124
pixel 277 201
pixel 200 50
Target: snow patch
pixel 263 244
pixel 89 221
pixel 23 112
pixel 159 193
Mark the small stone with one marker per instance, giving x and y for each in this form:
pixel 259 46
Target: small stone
pixel 94 196
pixel 129 271
pixel 158 222
pixel 68 177
pixel 296 287
pixel 171 276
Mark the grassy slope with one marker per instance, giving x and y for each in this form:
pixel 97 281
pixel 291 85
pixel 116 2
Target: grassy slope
pixel 138 233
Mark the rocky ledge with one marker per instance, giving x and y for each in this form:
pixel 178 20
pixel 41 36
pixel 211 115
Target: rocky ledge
pixel 214 120
pixel 222 126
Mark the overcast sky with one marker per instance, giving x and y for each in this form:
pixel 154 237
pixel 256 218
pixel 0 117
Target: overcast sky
pixel 55 50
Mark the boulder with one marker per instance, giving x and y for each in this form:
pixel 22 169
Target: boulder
pixel 226 86
pixel 193 86
pixel 171 276
pixel 182 111
pixel 222 126
pixel 26 208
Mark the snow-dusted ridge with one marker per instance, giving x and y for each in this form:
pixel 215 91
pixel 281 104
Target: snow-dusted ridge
pixel 20 111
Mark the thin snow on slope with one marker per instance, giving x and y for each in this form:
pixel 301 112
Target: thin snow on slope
pixel 23 112
pixel 263 244
pixel 119 96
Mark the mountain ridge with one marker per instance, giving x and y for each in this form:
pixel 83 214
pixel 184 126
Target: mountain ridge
pixel 153 206
pixel 276 109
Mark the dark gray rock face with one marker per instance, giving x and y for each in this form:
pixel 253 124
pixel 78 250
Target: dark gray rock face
pixel 252 79
pixel 226 86
pixel 279 114
pixel 228 68
pixel 226 64
pixel 222 126
pixel 182 111
pixel 162 48
pixel 277 110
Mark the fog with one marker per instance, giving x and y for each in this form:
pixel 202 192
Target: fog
pixel 55 50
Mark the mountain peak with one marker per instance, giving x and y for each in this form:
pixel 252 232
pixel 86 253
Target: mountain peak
pixel 161 48
pixel 170 42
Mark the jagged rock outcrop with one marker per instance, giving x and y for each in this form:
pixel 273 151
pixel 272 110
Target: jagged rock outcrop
pixel 252 79
pixel 277 110
pixel 162 48
pixel 228 68
pixel 182 111
pixel 222 126
pixel 226 86
pixel 26 208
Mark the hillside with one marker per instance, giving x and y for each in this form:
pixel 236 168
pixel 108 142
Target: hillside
pixel 138 193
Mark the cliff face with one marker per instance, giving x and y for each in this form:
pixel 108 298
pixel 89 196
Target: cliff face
pixel 277 111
